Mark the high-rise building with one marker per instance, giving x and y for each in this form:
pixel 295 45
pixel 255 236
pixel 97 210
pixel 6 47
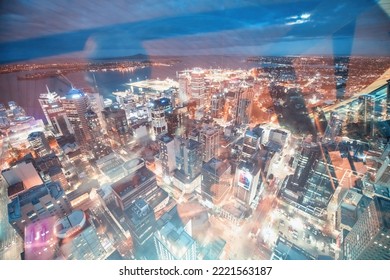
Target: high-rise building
pixel 167 154
pixel 158 111
pixel 198 87
pixel 209 137
pixel 117 125
pixel 351 208
pixel 333 128
pixel 139 184
pixel 217 105
pixel 246 180
pixel 382 177
pixel 216 180
pixel 188 157
pixel 97 144
pixel 174 243
pixel 141 221
pixel 78 237
pixel 36 204
pixel 244 105
pixel 183 88
pixel 366 113
pixel 76 105
pixel 303 164
pixel 39 143
pixel 97 105
pixel 54 113
pixel 252 139
pixel 369 238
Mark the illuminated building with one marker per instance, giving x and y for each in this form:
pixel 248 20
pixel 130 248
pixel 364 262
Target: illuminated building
pixel 117 125
pixel 97 144
pixel 252 139
pixel 139 184
pixel 351 208
pixel 198 87
pixel 209 137
pixel 217 105
pixel 76 105
pixel 369 238
pixel 36 204
pixel 188 156
pixel 303 164
pixel 112 167
pixel 54 113
pixel 158 110
pixel 183 88
pixel 97 105
pixel 22 172
pixel 244 106
pixel 57 175
pixel 141 221
pixel 176 121
pixel 167 154
pixel 216 180
pixel 320 121
pixel 277 139
pixel 246 180
pixel 172 242
pixel 39 143
pixel 78 237
pixel 382 177
pixel 366 113
pixel 333 128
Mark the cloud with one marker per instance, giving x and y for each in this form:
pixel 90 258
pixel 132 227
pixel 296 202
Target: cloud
pixel 298 21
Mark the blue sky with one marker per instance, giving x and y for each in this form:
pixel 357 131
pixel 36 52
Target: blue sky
pixel 97 29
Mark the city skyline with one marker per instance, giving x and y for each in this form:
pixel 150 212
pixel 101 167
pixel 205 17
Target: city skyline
pixel 182 130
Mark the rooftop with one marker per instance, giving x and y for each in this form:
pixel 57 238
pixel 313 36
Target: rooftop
pixel 69 225
pixel 132 181
pixel 33 196
pixel 216 166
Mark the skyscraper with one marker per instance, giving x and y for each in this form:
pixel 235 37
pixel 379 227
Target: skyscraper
pixel 333 128
pixel 158 110
pixel 246 180
pixel 76 105
pixel 54 113
pixel 188 156
pixel 209 137
pixel 216 180
pixel 244 105
pixel 141 221
pixel 198 87
pixel 39 143
pixel 217 105
pixel 167 154
pixel 116 123
pixel 97 144
pixel 369 238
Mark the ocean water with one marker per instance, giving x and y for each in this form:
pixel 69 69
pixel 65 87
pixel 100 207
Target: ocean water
pixel 26 92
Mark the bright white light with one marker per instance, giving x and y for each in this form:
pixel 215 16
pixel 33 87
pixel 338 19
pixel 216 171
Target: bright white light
pixel 297 223
pixel 269 235
pixel 305 16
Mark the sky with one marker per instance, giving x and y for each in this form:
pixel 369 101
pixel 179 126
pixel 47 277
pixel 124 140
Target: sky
pixel 33 29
